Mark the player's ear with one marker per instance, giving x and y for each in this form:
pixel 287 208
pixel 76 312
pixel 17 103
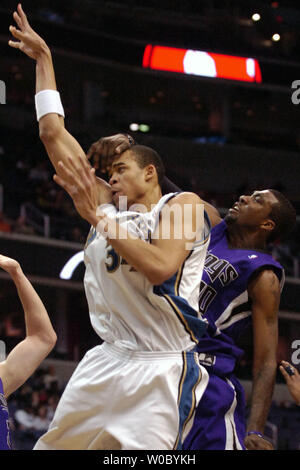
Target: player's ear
pixel 268 225
pixel 150 172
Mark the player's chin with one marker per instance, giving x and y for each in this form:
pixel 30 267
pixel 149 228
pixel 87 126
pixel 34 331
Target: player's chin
pixel 116 200
pixel 120 201
pixel 231 216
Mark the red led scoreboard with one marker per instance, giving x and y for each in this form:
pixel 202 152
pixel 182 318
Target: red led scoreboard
pixel 201 63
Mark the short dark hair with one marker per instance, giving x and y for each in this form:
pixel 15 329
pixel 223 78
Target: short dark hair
pixel 144 156
pixel 284 215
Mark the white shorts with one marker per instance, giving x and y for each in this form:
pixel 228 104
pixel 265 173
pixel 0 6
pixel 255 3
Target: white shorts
pixel 117 399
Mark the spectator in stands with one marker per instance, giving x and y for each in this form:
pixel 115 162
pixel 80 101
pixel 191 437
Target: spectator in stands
pixel 24 417
pixel 41 421
pixel 50 379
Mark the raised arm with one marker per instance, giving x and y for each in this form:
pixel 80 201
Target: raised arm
pixel 264 291
pixel 40 336
pixel 59 143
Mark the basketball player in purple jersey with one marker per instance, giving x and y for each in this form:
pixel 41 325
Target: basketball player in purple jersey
pixel 241 283
pixel 23 360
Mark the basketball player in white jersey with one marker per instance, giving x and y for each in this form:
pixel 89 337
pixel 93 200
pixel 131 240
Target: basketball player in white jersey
pixel 139 389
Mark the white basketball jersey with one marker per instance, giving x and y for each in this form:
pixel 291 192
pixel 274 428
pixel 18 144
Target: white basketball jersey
pixel 125 308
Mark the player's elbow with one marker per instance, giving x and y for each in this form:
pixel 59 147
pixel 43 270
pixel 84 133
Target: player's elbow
pixel 52 340
pixel 49 130
pixel 49 341
pixel 159 275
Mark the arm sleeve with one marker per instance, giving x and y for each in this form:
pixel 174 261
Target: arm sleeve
pixel 169 187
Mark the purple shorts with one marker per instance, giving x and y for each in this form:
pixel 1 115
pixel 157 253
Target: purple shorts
pixel 220 418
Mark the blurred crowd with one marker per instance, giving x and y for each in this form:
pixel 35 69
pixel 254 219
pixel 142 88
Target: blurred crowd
pixel 32 408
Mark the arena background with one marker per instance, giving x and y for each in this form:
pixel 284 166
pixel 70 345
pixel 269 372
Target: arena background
pixel 218 137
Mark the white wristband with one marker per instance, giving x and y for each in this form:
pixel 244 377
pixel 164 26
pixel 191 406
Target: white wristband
pixel 46 102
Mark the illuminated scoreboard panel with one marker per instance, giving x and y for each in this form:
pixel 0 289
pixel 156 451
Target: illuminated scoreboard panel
pixel 201 63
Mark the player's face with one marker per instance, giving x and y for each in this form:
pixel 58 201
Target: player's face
pixel 252 210
pixel 127 179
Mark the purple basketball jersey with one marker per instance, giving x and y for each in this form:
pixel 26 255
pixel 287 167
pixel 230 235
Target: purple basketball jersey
pixel 223 300
pixel 4 422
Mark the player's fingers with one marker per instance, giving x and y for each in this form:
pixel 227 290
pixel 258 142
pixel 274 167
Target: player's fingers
pixel 14 44
pixel 122 147
pixel 286 364
pixel 284 373
pixel 17 19
pixel 76 172
pixel 67 174
pixel 103 152
pixel 86 170
pixel 16 32
pixel 96 162
pixel 22 15
pixel 61 182
pixel 71 189
pixel 103 164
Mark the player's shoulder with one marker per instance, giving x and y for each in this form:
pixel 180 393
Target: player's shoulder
pixel 185 197
pixel 265 280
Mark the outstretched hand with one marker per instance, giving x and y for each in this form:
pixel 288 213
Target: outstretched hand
pixel 29 41
pixel 86 190
pixel 254 442
pixel 105 149
pixel 292 380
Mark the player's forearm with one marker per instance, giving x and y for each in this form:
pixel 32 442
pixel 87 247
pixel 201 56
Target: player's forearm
pixel 261 397
pixel 51 123
pixel 45 76
pixel 58 142
pixel 148 259
pixel 36 317
pixel 145 258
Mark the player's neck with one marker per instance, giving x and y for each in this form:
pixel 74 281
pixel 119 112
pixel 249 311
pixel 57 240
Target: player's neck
pixel 244 239
pixel 149 198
